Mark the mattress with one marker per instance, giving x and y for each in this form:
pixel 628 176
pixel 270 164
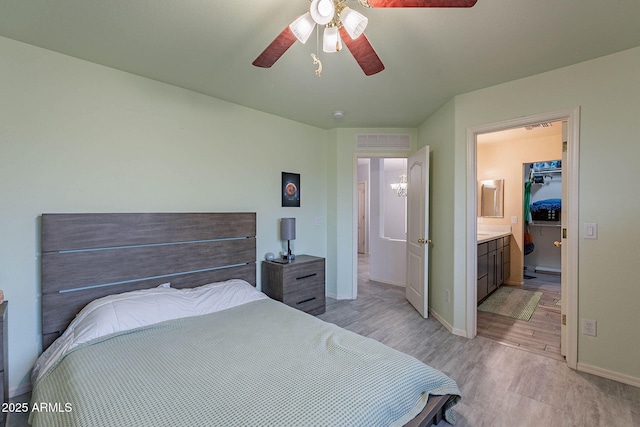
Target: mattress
pixel 255 364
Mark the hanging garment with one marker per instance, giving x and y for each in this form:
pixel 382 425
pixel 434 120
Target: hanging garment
pixel 527 202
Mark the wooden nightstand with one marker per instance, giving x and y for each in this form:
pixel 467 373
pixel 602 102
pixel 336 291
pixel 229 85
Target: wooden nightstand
pixel 299 283
pixel 4 369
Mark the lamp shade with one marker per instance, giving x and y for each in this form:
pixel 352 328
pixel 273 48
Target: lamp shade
pixel 331 41
pixel 302 27
pixel 287 229
pixel 354 22
pixel 322 11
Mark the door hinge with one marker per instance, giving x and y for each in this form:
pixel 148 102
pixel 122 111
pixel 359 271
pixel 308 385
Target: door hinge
pixel 564 233
pixel 564 146
pixel 564 320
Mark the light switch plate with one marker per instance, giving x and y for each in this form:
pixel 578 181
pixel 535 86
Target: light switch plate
pixel 590 230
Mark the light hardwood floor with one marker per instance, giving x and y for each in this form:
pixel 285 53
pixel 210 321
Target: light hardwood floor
pixel 500 385
pixel 541 334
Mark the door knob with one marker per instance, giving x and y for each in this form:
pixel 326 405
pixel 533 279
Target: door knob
pixel 557 244
pixel 423 241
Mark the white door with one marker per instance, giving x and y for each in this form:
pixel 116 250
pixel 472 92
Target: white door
pixel 563 249
pixel 417 290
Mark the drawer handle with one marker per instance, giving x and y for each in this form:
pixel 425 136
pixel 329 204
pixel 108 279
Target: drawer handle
pixel 307 276
pixel 306 300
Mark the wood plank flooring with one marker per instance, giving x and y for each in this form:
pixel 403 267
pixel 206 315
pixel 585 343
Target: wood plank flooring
pixel 500 385
pixel 541 334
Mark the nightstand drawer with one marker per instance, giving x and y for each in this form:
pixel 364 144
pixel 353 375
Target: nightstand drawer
pixel 308 275
pixel 299 284
pixel 312 304
pixel 297 293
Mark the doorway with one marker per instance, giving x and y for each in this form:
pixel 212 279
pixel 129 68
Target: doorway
pixel 569 285
pixel 381 220
pixel 527 164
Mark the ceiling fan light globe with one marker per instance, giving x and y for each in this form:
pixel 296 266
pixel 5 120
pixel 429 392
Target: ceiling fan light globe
pixel 302 27
pixel 354 22
pixel 331 41
pixel 322 11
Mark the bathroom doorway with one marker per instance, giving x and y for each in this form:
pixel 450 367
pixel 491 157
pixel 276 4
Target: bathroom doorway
pixel 570 150
pixel 532 183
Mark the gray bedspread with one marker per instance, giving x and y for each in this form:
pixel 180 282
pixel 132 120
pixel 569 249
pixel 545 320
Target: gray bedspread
pixel 258 364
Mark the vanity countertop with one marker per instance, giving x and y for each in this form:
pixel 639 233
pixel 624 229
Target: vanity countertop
pixel 487 233
pixel 487 236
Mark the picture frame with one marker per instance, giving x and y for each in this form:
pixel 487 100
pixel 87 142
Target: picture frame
pixel 290 190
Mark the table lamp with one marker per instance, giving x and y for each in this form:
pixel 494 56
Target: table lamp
pixel 288 233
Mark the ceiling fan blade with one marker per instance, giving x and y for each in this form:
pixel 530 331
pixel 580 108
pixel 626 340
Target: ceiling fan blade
pixel 276 49
pixel 422 3
pixel 363 52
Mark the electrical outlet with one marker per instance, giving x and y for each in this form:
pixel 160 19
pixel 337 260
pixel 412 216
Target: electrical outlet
pixel 589 327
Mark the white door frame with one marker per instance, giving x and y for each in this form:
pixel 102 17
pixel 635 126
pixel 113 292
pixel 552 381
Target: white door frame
pixel 569 211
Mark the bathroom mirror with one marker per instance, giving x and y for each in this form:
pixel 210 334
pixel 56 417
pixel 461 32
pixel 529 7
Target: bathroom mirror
pixel 491 198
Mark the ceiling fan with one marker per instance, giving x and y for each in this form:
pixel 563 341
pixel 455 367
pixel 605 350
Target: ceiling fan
pixel 341 24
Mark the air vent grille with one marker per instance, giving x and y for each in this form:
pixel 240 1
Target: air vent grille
pixel 383 141
pixel 538 125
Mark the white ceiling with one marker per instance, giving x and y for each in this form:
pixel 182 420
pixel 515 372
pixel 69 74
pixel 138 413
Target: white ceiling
pixel 430 55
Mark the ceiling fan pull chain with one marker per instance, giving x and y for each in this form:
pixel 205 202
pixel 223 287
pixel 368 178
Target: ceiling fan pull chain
pixel 317 62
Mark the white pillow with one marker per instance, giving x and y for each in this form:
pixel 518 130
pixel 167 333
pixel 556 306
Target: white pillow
pixel 130 310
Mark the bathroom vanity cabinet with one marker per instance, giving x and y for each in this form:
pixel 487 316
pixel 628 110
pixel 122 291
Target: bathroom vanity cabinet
pixel 494 264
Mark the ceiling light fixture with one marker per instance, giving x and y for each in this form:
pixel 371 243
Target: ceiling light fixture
pixel 342 24
pixel 332 14
pixel 401 187
pixel 354 22
pixel 302 27
pixel 331 41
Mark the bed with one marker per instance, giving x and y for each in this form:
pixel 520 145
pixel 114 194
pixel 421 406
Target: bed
pixel 154 319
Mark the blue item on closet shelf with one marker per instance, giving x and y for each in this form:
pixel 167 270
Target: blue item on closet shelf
pixel 548 204
pixel 543 166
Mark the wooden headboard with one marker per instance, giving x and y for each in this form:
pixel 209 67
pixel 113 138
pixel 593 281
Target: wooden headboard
pixel 88 256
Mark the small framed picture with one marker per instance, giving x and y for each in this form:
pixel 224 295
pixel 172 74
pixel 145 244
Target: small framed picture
pixel 290 189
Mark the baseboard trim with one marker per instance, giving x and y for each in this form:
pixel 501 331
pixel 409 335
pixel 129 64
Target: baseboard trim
pixel 605 373
pixel 387 282
pixel 448 327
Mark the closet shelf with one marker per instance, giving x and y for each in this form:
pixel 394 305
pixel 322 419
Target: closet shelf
pixel 546 171
pixel 545 223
